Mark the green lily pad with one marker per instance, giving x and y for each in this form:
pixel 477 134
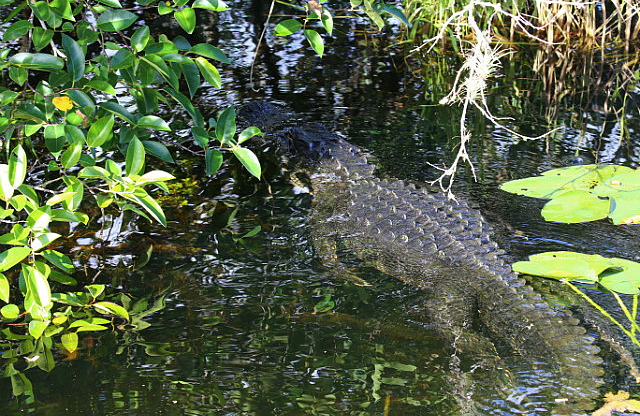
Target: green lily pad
pixel 615 274
pixel 576 206
pixel 625 208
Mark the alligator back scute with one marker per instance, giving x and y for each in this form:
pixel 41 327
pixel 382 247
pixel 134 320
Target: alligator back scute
pixel 446 249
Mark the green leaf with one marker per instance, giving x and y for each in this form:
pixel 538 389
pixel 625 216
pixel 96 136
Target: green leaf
pixel 154 176
pixel 397 13
pixel 37 327
pixel 13 256
pixel 287 27
pixel 6 189
pixel 140 38
pixel 38 286
pixel 248 133
pixel 103 86
pixel 375 17
pixel 209 72
pixel 43 240
pixel 91 328
pixel 95 290
pixel 59 260
pixel 188 106
pixel 17 166
pixel 18 75
pixel 158 150
pixel 192 76
pixel 135 157
pixel 213 160
pixel 111 308
pixel 215 5
pixel 75 57
pixel 100 131
pixel 71 156
pixel 557 181
pixel 163 8
pixel 625 208
pixel 161 48
pixel 81 99
pixel 118 110
pixel 69 341
pixel 111 3
pixel 315 41
pixel 37 61
pixel 576 206
pixel 327 21
pixel 209 51
pixel 226 125
pixel 75 187
pixel 41 37
pixel 4 288
pixel 153 122
pixel 39 219
pixel 16 30
pixel 142 198
pixel 94 172
pixel 249 160
pixel 186 18
pixel 115 20
pixel 10 311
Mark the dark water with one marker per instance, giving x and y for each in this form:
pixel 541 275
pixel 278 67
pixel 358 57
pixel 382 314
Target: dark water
pixel 247 327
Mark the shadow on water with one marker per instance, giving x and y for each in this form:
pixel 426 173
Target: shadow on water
pixel 256 325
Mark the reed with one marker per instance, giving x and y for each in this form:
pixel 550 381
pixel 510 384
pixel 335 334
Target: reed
pixel 582 53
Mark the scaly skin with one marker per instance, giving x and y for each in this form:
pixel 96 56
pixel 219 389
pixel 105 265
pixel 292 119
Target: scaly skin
pixel 444 248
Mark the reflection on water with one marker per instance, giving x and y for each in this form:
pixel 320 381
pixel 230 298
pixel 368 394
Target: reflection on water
pixel 246 329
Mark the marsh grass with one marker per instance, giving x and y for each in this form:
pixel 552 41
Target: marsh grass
pixel 583 52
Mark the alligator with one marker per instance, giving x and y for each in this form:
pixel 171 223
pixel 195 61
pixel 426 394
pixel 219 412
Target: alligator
pixel 440 246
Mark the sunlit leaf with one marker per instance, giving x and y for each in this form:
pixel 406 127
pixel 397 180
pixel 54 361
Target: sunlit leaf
pixel 186 18
pixel 140 38
pixel 37 327
pixel 135 157
pixel 209 51
pixel 4 288
pixel 327 22
pixel 58 259
pixel 248 133
pixel 209 72
pixel 69 341
pixel 154 176
pixel 13 256
pixel 6 189
pixel 315 40
pixel 100 131
pixel 71 156
pixel 111 308
pixel 215 5
pixel 43 240
pixel 115 20
pixel 153 122
pixel 10 311
pixel 615 274
pixel 287 27
pixel 249 160
pixel 38 286
pixel 625 208
pixel 17 166
pixel 37 61
pixel 576 206
pixel 226 125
